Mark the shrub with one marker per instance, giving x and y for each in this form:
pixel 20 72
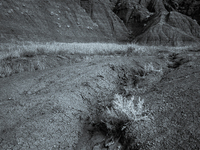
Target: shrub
pixel 129 121
pixel 126 109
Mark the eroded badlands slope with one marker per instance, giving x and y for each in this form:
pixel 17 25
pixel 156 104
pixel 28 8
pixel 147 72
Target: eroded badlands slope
pixel 156 22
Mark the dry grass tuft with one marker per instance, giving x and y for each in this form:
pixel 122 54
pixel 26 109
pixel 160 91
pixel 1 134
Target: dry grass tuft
pixel 148 68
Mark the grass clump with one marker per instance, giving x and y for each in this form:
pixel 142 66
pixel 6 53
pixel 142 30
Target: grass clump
pixel 148 68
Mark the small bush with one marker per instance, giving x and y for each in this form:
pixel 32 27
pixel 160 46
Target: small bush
pixel 126 109
pixel 129 121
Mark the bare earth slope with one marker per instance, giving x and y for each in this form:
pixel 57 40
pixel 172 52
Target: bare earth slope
pixel 48 109
pixel 64 21
pixel 44 110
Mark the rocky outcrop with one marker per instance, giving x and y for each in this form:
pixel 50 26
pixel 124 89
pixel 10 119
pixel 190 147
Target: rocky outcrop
pixel 187 7
pixel 170 29
pixel 64 21
pixel 156 22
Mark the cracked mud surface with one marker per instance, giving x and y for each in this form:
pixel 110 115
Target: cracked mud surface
pixel 48 109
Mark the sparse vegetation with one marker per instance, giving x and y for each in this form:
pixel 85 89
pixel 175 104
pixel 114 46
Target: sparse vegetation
pixel 29 56
pixel 148 68
pixel 129 121
pixel 132 80
pixel 15 50
pixel 70 101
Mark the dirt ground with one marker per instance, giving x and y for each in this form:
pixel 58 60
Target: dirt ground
pixel 53 109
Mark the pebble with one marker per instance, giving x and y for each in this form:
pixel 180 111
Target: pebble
pixel 52 13
pixel 2 75
pixel 10 11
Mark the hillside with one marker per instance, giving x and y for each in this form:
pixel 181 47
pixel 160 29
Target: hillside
pixel 63 21
pixel 149 22
pixel 72 77
pixel 155 22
